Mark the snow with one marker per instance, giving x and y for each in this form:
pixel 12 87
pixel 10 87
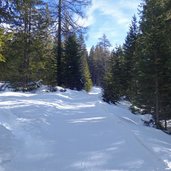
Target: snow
pixel 73 131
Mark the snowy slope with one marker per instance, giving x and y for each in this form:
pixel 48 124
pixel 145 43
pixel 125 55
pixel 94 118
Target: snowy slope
pixel 76 131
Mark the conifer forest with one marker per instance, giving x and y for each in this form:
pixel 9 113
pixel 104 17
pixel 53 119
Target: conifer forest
pixel 41 40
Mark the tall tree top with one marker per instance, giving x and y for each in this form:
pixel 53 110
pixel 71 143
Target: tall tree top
pixel 104 42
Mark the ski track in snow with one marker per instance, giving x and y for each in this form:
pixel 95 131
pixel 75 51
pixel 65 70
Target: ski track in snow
pixel 76 131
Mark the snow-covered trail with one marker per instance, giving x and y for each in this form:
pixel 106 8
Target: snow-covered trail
pixel 76 131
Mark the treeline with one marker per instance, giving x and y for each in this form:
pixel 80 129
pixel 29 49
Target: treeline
pixel 41 40
pixel 140 69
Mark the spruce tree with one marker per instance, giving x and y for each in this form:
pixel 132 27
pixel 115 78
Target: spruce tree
pixel 4 38
pixel 99 60
pixel 153 51
pixel 7 11
pixel 73 75
pixel 30 49
pixel 114 80
pixel 86 77
pixel 130 59
pixel 92 64
pixel 66 12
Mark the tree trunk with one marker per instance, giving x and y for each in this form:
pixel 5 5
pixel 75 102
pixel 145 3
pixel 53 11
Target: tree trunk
pixel 25 55
pixel 165 124
pixel 157 95
pixel 59 48
pixel 157 101
pixel 27 37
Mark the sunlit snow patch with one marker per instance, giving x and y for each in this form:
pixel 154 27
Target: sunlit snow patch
pixel 84 120
pixel 95 91
pixel 168 164
pixel 16 94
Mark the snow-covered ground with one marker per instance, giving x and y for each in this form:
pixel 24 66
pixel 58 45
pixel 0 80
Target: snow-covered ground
pixel 76 131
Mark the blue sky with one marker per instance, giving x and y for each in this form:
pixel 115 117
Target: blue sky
pixel 111 17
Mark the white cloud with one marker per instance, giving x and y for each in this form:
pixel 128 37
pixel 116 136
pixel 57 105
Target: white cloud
pixel 114 8
pixel 104 29
pixel 111 17
pixel 133 4
pixel 88 21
